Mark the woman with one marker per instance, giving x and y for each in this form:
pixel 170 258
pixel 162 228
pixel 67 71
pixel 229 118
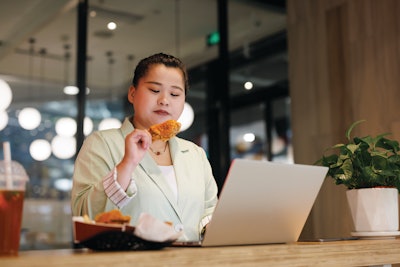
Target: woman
pixel 123 168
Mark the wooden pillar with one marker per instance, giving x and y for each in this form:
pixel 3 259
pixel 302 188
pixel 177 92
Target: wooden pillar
pixel 344 65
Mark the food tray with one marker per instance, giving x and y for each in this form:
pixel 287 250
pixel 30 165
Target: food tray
pixel 111 237
pixel 121 241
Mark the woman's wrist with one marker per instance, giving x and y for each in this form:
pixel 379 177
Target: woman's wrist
pixel 124 173
pixel 115 192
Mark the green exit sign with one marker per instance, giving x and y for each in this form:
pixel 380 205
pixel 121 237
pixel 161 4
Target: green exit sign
pixel 213 38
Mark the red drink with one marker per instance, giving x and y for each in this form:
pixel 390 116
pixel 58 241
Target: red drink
pixel 11 204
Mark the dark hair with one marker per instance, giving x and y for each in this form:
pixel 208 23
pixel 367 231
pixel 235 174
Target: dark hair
pixel 169 61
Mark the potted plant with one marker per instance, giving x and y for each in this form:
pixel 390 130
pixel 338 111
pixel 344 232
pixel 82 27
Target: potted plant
pixel 370 169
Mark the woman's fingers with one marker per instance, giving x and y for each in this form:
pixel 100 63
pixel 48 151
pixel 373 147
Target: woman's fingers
pixel 140 138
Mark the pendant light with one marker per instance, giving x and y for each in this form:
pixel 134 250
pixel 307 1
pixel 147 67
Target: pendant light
pixel 109 123
pixel 63 144
pixel 68 89
pixel 40 149
pixel 66 126
pixel 29 118
pixel 187 117
pixel 63 147
pixel 5 101
pixel 6 95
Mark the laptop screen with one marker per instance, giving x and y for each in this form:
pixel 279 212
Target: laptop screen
pixel 263 202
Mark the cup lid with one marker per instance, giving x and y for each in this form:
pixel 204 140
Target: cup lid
pixel 17 171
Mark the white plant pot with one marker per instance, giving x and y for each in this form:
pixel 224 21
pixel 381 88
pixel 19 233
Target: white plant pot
pixel 375 211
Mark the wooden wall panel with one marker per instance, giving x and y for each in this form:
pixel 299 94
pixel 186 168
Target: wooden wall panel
pixel 344 65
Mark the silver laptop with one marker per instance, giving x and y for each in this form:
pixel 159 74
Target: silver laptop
pixel 263 202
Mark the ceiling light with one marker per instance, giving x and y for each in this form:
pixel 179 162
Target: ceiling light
pixel 248 85
pixel 6 95
pixel 111 26
pixel 29 118
pixel 73 90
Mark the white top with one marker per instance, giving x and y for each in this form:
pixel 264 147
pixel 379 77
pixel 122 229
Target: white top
pixel 169 174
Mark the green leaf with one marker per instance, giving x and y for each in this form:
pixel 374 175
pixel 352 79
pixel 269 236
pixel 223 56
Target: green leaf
pixel 348 132
pixel 352 147
pixel 364 162
pixel 385 143
pixel 347 168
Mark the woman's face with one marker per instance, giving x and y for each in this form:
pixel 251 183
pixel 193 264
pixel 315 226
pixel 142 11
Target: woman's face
pixel 159 96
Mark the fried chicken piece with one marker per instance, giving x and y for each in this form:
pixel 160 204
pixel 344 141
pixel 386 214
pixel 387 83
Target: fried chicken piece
pixel 164 131
pixel 112 216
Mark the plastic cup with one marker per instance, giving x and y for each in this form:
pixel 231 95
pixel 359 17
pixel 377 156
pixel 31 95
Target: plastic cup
pixel 13 179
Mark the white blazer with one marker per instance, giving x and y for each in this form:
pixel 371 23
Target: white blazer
pixel 197 189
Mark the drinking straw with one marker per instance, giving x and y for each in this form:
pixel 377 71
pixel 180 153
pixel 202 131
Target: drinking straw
pixel 7 164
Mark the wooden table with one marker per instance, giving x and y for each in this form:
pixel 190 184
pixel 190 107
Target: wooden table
pixel 337 253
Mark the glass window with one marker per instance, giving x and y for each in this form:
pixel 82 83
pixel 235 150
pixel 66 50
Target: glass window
pixel 39 63
pixel 253 136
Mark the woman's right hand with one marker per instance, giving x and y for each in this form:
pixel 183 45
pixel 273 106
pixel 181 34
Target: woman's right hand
pixel 136 145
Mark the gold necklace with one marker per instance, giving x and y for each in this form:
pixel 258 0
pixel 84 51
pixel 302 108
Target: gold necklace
pixel 158 153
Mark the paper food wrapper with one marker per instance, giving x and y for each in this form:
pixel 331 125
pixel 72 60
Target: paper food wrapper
pixel 151 229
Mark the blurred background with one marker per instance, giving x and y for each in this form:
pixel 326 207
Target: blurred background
pixel 38 74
